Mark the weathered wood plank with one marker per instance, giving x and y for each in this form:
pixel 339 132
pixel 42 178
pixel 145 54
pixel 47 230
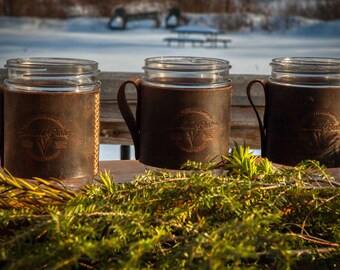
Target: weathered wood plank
pixel 3 75
pixel 248 133
pixel 112 80
pixel 244 126
pixel 240 115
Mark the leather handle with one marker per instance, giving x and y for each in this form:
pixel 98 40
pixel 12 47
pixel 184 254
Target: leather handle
pixel 131 122
pixel 2 143
pixel 261 124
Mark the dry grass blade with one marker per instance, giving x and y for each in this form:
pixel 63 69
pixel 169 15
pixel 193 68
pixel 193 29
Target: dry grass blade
pixel 316 240
pixel 20 193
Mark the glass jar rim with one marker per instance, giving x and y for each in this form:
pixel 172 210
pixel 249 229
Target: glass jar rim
pixel 185 63
pixel 42 62
pixel 317 65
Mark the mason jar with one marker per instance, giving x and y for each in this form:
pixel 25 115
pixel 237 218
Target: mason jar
pixel 183 111
pixel 51 118
pixel 302 111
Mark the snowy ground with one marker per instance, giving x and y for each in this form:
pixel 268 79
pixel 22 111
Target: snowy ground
pixel 249 53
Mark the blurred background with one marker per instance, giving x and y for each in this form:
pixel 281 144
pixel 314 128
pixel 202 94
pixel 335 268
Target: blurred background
pixel 269 15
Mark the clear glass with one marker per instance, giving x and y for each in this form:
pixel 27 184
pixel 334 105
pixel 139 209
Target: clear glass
pixel 52 74
pixel 307 71
pixel 186 72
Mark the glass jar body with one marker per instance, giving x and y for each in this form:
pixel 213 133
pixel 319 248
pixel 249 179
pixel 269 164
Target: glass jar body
pixel 302 111
pixel 51 118
pixel 183 111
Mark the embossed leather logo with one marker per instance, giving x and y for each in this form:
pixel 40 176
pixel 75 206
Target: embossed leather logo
pixel 194 130
pixel 320 133
pixel 44 137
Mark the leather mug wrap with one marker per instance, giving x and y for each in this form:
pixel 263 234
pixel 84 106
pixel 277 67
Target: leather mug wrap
pixel 51 134
pixel 301 123
pixel 176 125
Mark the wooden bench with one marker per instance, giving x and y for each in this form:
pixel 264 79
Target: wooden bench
pixel 213 42
pixel 126 17
pixel 113 130
pixel 175 14
pixel 182 40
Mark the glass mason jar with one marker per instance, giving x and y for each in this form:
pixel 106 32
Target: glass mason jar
pixel 183 110
pixel 302 111
pixel 51 118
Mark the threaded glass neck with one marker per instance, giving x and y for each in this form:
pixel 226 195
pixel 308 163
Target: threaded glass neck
pixel 186 72
pixel 52 74
pixel 309 71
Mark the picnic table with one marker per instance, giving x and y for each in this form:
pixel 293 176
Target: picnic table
pixel 185 32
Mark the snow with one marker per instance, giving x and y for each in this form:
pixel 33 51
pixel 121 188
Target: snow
pixel 125 50
pixel 321 30
pixel 196 29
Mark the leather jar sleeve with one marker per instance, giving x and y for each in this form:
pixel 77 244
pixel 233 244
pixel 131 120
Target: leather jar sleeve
pixel 51 134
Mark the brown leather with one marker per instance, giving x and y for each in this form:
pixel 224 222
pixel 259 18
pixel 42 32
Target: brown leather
pixel 51 134
pixel 127 113
pixel 2 87
pixel 301 123
pixel 175 125
pixel 261 127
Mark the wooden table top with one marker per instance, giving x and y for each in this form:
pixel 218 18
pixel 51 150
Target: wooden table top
pixel 124 170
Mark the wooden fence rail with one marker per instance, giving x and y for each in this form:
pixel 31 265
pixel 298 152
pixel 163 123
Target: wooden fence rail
pixel 244 126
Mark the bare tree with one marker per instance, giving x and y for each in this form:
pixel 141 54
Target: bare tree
pixel 7 5
pixel 227 6
pixel 328 9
